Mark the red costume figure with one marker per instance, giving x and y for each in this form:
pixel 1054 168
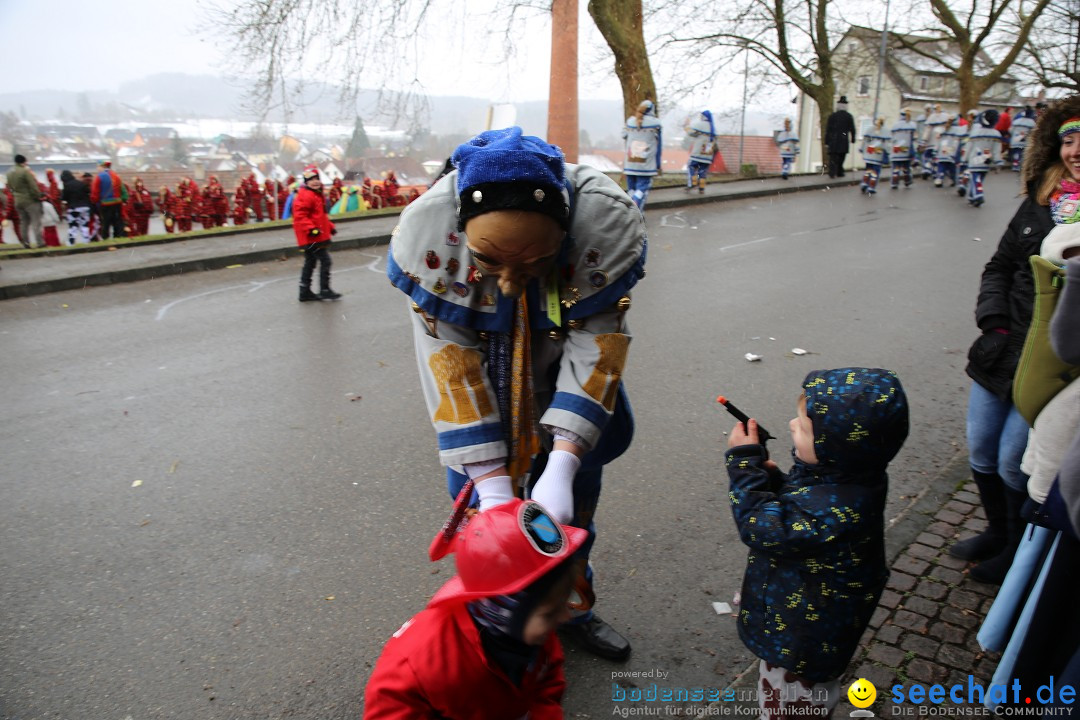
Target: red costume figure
pixel 215 203
pixel 335 192
pixel 53 192
pixel 125 212
pixel 390 185
pixel 239 214
pixel 204 216
pixel 11 214
pixel 197 204
pixel 254 196
pixel 283 193
pixel 371 197
pixel 140 207
pixel 165 204
pixel 270 193
pixel 186 206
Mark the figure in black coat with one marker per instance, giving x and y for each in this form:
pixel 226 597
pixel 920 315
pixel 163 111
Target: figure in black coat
pixel 839 134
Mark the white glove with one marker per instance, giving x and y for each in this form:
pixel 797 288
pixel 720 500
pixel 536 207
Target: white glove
pixel 494 491
pixel 555 488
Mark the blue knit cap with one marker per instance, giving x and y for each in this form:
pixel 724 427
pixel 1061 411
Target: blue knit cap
pixel 506 169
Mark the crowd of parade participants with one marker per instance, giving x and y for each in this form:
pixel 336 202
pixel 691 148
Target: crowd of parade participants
pixel 958 149
pixel 126 212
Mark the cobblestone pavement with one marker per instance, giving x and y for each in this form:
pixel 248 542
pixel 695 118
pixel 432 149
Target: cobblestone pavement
pixel 924 628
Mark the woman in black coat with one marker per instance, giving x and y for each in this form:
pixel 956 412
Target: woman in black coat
pixel 996 432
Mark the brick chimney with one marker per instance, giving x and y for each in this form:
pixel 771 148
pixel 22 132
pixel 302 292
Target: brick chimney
pixel 563 91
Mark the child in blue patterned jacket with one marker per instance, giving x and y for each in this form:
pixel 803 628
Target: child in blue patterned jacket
pixel 816 566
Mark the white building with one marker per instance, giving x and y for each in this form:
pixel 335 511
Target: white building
pixel 909 80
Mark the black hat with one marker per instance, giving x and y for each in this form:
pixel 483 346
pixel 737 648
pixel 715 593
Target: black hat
pixel 842 100
pixel 989 118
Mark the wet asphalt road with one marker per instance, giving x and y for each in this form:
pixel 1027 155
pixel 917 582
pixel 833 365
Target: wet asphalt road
pixel 217 501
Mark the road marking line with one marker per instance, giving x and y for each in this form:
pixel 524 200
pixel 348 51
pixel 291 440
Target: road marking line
pixel 748 242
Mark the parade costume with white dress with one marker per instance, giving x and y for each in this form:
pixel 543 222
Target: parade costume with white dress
pixel 903 151
pixel 981 152
pixel 788 143
pixel 929 135
pixel 875 153
pixel 642 161
pixel 1022 126
pixel 701 135
pixel 502 377
pixel 946 153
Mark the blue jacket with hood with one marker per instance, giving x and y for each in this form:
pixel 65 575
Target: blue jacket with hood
pixel 816 566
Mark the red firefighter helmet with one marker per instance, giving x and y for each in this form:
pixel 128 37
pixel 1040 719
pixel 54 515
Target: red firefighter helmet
pixel 504 550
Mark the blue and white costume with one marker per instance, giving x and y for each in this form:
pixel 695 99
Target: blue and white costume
pixel 875 153
pixel 574 320
pixel 642 161
pixel 947 152
pixel 701 141
pixel 903 149
pixel 981 152
pixel 930 134
pixel 920 126
pixel 1022 126
pixel 787 140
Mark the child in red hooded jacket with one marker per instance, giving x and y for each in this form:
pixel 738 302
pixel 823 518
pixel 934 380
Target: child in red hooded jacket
pixel 313 230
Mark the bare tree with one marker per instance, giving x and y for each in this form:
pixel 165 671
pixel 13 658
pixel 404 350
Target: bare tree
pixel 1052 54
pixel 622 22
pixel 349 45
pixel 376 44
pixel 791 38
pixel 975 28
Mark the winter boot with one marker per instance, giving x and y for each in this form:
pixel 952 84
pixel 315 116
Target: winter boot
pixel 328 294
pixel 994 570
pixel 307 296
pixel 991 541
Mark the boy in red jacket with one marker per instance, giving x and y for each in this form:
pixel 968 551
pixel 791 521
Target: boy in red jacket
pixel 485 646
pixel 313 230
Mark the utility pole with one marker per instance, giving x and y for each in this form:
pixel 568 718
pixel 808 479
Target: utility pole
pixel 742 118
pixel 881 61
pixel 562 129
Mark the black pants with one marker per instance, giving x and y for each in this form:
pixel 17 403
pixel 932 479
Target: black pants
pixel 316 252
pixel 112 217
pixel 836 164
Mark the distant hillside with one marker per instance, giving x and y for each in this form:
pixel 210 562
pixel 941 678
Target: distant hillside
pixel 177 96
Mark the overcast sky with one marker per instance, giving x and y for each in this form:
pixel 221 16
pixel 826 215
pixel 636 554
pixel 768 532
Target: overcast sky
pixel 97 45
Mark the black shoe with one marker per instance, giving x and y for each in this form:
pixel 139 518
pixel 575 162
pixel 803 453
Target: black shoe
pixel 600 639
pixel 328 294
pixel 994 570
pixel 993 540
pixel 307 296
pixel 701 191
pixel 983 546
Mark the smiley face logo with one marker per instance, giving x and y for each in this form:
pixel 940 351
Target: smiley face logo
pixel 862 693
